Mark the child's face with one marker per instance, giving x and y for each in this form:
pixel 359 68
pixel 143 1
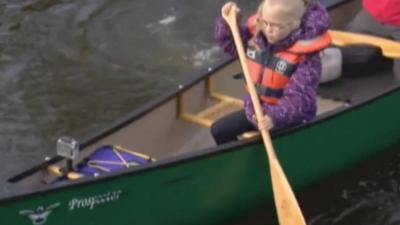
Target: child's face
pixel 275 25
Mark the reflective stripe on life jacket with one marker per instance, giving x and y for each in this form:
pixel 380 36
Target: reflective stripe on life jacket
pixel 271 72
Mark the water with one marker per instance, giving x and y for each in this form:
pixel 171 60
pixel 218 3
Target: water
pixel 71 67
pixel 368 194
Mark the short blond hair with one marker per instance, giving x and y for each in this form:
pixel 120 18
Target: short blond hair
pixel 290 8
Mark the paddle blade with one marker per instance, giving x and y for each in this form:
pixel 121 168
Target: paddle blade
pixel 390 48
pixel 287 207
pixel 288 210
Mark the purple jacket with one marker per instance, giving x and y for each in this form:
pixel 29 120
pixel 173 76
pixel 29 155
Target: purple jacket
pixel 298 103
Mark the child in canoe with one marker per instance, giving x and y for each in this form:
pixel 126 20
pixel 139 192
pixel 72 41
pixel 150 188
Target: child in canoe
pixel 282 40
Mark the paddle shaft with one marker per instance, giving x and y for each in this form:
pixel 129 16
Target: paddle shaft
pixel 288 209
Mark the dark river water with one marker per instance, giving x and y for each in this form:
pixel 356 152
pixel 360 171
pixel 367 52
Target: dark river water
pixel 367 195
pixel 71 67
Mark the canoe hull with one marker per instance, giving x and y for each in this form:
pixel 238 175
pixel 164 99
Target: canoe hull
pixel 219 186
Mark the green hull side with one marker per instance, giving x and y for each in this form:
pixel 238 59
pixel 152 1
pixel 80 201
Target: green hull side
pixel 339 143
pixel 205 191
pixel 219 188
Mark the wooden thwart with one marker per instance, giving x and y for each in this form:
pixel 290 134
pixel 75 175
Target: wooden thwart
pixel 224 104
pixel 390 48
pixel 209 115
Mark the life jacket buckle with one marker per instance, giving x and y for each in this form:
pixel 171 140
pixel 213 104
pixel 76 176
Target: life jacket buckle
pixel 251 53
pixel 281 66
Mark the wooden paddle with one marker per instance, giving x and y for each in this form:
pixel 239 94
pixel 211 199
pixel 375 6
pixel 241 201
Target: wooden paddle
pixel 287 208
pixel 390 48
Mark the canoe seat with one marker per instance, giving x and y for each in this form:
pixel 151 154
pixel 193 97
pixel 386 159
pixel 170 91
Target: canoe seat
pixel 59 171
pixel 250 135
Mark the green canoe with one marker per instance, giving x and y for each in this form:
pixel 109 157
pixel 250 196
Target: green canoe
pixel 195 182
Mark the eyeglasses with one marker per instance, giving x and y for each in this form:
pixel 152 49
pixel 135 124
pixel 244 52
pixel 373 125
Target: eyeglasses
pixel 274 26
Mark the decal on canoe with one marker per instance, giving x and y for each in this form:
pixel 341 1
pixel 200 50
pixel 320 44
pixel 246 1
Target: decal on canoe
pixel 40 214
pixel 92 201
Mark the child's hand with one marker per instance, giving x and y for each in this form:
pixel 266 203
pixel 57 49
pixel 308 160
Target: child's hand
pixel 265 123
pixel 227 9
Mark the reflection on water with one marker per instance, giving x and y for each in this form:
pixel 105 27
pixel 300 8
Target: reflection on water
pixel 71 67
pixel 375 208
pixel 368 195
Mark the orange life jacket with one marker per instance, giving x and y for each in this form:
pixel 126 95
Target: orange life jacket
pixel 271 72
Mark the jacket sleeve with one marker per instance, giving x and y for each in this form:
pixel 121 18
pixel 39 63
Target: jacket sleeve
pixel 224 38
pixel 298 103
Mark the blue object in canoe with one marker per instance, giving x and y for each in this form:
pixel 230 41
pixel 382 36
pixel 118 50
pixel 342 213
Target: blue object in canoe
pixel 111 158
